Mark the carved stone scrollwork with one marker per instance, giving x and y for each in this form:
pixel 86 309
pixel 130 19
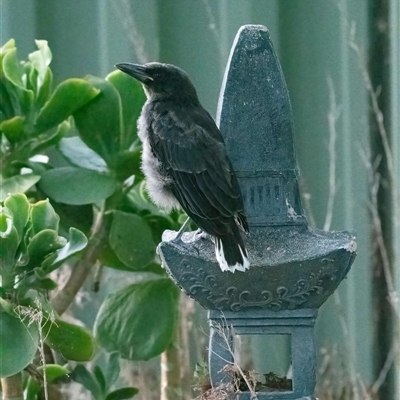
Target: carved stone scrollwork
pixel 201 283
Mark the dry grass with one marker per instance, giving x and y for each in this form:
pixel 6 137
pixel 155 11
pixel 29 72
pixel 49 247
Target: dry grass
pixel 39 317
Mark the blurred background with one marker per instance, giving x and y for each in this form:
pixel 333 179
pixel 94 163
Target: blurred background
pixel 341 62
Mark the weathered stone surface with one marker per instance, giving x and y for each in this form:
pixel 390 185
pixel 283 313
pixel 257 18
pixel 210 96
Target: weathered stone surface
pixel 289 269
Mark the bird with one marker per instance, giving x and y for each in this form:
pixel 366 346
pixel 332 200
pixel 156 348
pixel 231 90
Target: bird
pixel 185 162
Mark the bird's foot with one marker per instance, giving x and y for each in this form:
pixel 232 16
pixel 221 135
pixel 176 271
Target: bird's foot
pixel 199 234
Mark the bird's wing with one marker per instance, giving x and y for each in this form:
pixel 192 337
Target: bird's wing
pixel 191 151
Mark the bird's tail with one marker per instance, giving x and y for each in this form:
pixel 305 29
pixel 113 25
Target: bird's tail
pixel 230 252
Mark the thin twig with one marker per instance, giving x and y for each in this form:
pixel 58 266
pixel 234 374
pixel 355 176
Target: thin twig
pixel 125 14
pixel 212 24
pixel 333 117
pixel 306 200
pixel 171 384
pixel 393 297
pixel 384 372
pixel 349 349
pixel 97 276
pixel 186 312
pixel 220 329
pixel 62 300
pixel 37 316
pixel 373 95
pixel 374 183
pixel 12 387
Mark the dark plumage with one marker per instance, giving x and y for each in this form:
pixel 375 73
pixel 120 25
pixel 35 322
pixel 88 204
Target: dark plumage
pixel 185 161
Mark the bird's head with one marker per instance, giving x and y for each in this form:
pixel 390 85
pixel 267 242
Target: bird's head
pixel 162 80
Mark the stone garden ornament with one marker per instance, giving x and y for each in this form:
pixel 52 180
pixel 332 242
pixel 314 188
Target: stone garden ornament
pixel 293 268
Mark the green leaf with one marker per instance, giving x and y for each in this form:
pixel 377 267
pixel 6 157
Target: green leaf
pixel 67 98
pixel 151 309
pixel 43 141
pixel 53 373
pixel 7 46
pixel 81 375
pixel 13 128
pixel 39 283
pixel 158 224
pixel 12 68
pixel 21 98
pixel 98 373
pixel 131 239
pixel 123 393
pixel 18 205
pixel 6 306
pixel 77 186
pixel 42 244
pixel 109 259
pixel 8 249
pixel 77 241
pixel 6 107
pixel 30 77
pixel 43 216
pixel 71 341
pixel 112 369
pixel 35 281
pixel 40 60
pixel 18 344
pixel 129 163
pixel 17 184
pixel 22 254
pixel 80 217
pixel 99 122
pixel 6 222
pixel 44 92
pixel 132 99
pixel 141 203
pixel 80 155
pixel 37 167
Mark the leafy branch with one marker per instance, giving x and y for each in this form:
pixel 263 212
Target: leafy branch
pixel 90 179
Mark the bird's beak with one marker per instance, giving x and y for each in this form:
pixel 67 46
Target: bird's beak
pixel 137 71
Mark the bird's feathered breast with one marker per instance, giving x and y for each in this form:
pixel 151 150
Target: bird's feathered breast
pixel 191 151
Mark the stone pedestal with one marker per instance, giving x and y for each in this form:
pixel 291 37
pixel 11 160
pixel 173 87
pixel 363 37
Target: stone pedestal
pixel 299 324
